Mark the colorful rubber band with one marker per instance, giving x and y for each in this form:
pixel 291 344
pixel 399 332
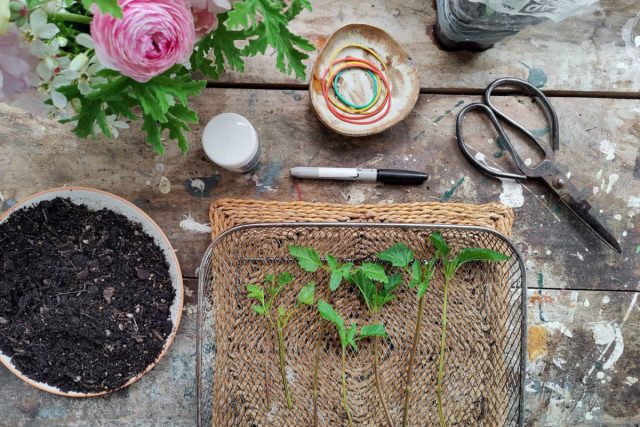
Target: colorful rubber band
pixel 348 103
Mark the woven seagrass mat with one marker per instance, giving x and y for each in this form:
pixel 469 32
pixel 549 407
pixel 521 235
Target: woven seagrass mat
pixel 227 213
pixel 479 384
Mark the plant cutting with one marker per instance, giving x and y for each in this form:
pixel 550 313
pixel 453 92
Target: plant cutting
pixel 400 256
pixel 450 266
pixel 100 64
pixel 309 260
pixel 266 297
pixel 348 337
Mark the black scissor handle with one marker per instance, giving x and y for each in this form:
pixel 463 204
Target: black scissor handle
pixel 548 109
pixel 471 158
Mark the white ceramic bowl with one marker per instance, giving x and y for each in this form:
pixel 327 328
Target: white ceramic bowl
pixel 97 199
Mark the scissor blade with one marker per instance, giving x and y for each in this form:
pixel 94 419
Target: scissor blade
pixel 583 210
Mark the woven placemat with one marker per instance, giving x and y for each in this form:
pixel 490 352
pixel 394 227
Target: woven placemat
pixel 227 213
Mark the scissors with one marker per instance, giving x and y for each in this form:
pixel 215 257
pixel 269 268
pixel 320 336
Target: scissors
pixel 552 173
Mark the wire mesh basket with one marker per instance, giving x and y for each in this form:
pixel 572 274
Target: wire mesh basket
pixel 238 377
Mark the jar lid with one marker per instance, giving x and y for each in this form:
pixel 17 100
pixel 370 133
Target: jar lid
pixel 230 141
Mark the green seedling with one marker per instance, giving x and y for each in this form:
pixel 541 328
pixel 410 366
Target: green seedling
pixel 450 266
pixel 309 260
pixel 266 297
pixel 400 256
pixel 348 337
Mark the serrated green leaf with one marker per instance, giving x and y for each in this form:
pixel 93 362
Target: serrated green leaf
pixel 394 281
pixel 399 255
pixel 479 254
pixel 106 6
pixel 442 249
pixel 332 262
pixel 307 294
pixel 281 311
pixel 334 280
pixel 374 272
pixel 284 278
pixel 150 126
pixel 329 314
pixel 222 43
pixel 308 258
pixel 366 286
pixel 255 291
pixel 258 309
pixel 416 274
pixel 374 330
pixel 429 271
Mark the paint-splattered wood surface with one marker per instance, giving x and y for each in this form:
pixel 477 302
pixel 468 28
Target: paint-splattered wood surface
pixel 566 266
pixel 602 42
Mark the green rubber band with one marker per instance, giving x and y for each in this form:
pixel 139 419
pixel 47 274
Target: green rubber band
pixel 351 104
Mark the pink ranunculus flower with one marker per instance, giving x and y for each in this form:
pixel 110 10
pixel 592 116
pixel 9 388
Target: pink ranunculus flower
pixel 205 14
pixel 150 38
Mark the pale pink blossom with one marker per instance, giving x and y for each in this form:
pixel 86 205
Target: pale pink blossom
pixel 205 14
pixel 17 66
pixel 150 38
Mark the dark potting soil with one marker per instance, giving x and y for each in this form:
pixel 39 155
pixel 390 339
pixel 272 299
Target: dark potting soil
pixel 84 296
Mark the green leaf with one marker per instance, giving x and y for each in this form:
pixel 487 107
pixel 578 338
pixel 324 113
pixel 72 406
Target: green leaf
pixel 329 314
pixel 259 309
pixel 308 258
pixel 442 249
pixel 268 21
pixel 332 262
pixel 393 283
pixel 379 300
pixel 374 272
pixel 338 272
pixel 282 312
pixel 478 254
pixel 399 255
pixel 106 6
pixel 335 280
pixel 255 291
pixel 307 294
pixel 416 274
pixel 375 330
pixel 366 286
pixel 351 336
pixel 150 126
pixel 222 42
pixel 284 278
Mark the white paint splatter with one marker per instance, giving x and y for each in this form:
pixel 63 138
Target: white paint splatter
pixel 530 388
pixel 600 375
pixel 189 224
pixel 511 193
pixel 1 197
pixel 621 65
pixel 599 174
pixel 198 184
pixel 559 361
pixel 630 381
pixel 569 175
pixel 596 190
pixel 586 303
pixel 618 349
pixel 548 252
pixel 624 233
pixel 606 299
pixel 588 416
pixel 165 185
pixel 613 178
pixel 609 148
pixel 617 217
pixel 579 256
pixel 603 333
pixel 636 41
pixel 527 162
pixel 634 202
pixel 355 197
pixel 557 326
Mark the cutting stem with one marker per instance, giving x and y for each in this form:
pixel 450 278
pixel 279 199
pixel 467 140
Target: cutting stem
pixel 283 372
pixel 345 402
pixel 442 350
pixel 412 356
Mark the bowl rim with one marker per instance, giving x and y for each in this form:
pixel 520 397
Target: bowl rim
pixel 20 204
pixel 366 131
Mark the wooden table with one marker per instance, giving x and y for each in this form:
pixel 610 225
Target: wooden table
pixel 584 320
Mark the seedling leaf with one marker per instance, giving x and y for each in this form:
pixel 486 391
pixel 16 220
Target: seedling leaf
pixel 335 280
pixel 281 311
pixel 375 330
pixel 392 284
pixel 255 291
pixel 332 262
pixel 478 254
pixel 328 313
pixel 258 309
pixel 429 270
pixel 442 249
pixel 374 272
pixel 307 294
pixel 284 279
pixel 351 336
pixel 308 258
pixel 366 286
pixel 399 255
pixel 416 274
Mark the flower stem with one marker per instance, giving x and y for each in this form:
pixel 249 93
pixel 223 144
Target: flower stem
pixel 71 17
pixel 281 356
pixel 345 402
pixel 412 356
pixel 442 349
pixel 316 369
pixel 377 379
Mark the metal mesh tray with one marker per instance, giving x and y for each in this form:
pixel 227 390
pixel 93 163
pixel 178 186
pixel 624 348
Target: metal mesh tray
pixel 486 332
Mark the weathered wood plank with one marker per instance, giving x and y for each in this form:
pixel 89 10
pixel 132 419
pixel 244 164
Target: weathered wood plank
pixel 589 52
pixel 38 154
pixel 571 333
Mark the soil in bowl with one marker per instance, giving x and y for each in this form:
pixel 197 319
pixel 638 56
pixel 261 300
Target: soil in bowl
pixel 85 296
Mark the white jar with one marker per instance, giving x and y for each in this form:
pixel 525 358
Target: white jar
pixel 230 141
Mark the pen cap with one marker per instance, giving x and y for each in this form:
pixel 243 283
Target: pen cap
pixel 230 141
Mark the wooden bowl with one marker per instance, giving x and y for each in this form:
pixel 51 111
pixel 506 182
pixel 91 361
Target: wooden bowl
pixel 95 200
pixel 402 75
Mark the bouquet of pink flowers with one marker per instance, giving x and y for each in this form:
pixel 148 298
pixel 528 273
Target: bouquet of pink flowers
pixel 101 63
